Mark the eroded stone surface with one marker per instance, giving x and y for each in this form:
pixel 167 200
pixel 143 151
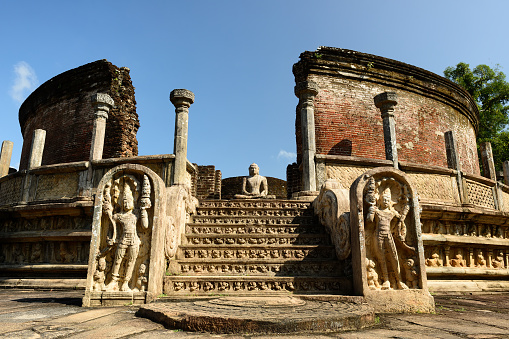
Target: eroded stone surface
pixel 253 315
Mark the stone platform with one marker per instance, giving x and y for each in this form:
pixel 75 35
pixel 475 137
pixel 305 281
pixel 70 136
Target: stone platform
pixel 284 314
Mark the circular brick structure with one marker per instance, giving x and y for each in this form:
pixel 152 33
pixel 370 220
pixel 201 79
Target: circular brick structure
pixel 348 123
pixel 62 107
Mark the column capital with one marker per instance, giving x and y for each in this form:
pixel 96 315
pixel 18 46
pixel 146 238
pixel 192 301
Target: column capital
pixel 181 97
pixel 385 102
pixel 306 87
pixel 102 104
pixel 386 99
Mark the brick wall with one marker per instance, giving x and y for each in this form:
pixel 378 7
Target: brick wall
pixel 208 183
pixel 348 123
pixel 61 106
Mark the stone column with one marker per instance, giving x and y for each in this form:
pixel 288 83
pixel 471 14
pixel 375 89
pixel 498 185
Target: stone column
pixel 37 148
pixel 306 92
pixel 488 163
pixel 5 157
pixel 453 160
pixel 447 250
pixel 386 102
pixel 506 172
pixel 471 262
pixel 182 100
pixel 102 104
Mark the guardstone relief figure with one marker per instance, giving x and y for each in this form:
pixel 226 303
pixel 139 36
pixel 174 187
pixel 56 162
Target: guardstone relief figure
pixel 372 276
pixel 99 275
pixel 387 227
pixel 412 277
pixel 124 227
pixel 254 186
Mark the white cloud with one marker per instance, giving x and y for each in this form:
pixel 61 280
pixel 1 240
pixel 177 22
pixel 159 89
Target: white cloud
pixel 25 81
pixel 286 155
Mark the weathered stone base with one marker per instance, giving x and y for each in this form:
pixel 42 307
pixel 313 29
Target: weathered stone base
pixel 305 195
pixel 262 314
pixel 468 286
pixel 53 283
pixel 401 301
pixel 93 299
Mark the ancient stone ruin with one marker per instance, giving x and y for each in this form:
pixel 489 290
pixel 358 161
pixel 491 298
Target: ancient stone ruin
pixel 384 203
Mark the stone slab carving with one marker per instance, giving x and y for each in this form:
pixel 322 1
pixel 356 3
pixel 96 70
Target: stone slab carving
pixel 387 250
pixel 332 208
pixel 436 187
pixel 126 260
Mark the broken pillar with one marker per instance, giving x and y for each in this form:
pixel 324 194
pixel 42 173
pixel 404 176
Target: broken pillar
pixel 488 164
pixel 37 148
pixel 5 157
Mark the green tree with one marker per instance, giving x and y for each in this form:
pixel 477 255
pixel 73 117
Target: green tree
pixel 490 90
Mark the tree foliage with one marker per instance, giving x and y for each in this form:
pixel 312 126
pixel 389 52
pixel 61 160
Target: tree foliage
pixel 490 90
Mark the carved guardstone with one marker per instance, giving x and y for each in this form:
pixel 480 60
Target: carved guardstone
pixel 387 250
pixel 126 261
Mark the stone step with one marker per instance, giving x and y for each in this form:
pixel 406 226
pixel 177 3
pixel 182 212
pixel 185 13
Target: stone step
pixel 260 268
pixel 253 212
pixel 256 252
pixel 238 285
pixel 246 204
pixel 256 239
pixel 197 228
pixel 253 220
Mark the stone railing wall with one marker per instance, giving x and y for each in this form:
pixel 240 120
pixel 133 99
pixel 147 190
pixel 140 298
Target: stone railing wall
pixel 465 235
pixel 46 218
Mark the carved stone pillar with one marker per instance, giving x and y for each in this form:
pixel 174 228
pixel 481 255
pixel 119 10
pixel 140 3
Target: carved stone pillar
pixel 102 104
pixel 471 262
pixel 182 100
pixel 5 157
pixel 447 249
pixel 488 163
pixel 489 262
pixel 306 92
pixel 386 102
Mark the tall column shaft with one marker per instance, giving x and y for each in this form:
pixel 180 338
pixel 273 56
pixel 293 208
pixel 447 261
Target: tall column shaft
pixel 37 148
pixel 306 92
pixel 102 104
pixel 5 157
pixel 386 102
pixel 182 100
pixel 488 164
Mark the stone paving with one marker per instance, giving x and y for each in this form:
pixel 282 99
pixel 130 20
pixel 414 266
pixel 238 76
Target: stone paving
pixel 58 314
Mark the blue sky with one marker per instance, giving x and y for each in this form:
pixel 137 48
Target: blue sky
pixel 236 56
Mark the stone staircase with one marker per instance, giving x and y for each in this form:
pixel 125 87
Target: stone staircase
pixel 255 247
